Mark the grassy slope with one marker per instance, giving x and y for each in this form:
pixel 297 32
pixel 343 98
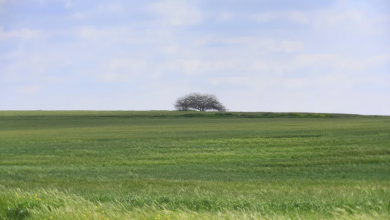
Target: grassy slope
pixel 138 163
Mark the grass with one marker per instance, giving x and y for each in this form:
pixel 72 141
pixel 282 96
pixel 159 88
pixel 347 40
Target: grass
pixel 168 165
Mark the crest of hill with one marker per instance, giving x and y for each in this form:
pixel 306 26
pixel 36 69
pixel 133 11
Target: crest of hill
pixel 171 114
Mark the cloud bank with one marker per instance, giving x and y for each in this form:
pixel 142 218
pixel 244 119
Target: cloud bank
pixel 254 55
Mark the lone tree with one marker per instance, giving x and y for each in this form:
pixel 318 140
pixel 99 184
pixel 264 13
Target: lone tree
pixel 198 101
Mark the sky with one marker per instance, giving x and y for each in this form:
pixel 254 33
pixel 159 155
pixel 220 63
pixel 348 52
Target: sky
pixel 255 55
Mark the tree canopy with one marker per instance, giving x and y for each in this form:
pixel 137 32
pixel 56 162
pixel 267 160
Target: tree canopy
pixel 200 102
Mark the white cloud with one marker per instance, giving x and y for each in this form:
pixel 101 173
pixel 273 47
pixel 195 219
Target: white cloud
pixel 316 59
pixel 225 17
pixel 90 33
pixel 79 15
pixel 330 18
pixel 267 45
pixel 121 36
pixel 379 60
pixel 24 33
pixel 28 90
pixel 177 12
pixel 68 4
pixel 353 19
pixel 191 67
pixel 290 46
pixel 322 70
pixel 297 17
pixel 339 62
pixel 231 80
pixel 122 69
pixel 100 10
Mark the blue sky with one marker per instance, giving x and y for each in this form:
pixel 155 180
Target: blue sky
pixel 254 55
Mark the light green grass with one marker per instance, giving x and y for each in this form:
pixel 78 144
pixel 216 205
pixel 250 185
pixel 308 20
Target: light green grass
pixel 138 164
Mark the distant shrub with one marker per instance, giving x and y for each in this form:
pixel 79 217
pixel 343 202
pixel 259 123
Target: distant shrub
pixel 318 115
pixel 194 115
pixel 285 115
pixel 227 114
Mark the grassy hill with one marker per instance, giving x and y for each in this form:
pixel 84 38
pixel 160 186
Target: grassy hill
pixel 193 165
pixel 171 114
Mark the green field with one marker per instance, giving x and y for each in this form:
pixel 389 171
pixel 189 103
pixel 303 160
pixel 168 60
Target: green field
pixel 191 165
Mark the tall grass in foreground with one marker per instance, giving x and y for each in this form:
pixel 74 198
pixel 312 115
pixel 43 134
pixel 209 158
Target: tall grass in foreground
pixel 56 205
pixel 52 204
